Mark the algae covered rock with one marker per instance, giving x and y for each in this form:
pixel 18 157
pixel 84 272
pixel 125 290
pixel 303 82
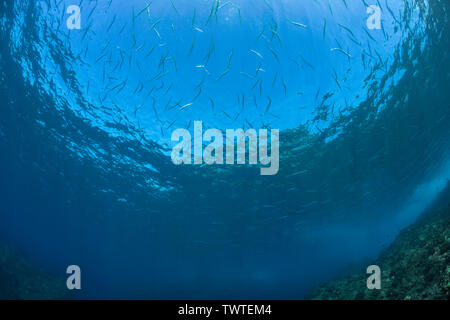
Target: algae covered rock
pixel 20 280
pixel 415 266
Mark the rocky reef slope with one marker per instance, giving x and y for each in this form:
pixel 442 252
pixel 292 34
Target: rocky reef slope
pixel 415 266
pixel 20 280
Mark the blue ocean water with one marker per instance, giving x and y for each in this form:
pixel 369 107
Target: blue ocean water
pixel 87 115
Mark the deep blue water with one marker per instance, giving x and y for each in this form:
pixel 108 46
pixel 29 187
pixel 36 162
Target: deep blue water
pixel 86 118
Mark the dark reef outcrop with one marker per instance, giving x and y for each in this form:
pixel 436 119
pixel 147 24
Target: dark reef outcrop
pixel 21 280
pixel 415 266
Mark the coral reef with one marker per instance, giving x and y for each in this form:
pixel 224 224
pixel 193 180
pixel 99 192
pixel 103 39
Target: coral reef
pixel 415 266
pixel 20 280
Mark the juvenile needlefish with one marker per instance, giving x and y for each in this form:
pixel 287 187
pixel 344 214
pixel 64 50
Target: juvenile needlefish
pixel 186 106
